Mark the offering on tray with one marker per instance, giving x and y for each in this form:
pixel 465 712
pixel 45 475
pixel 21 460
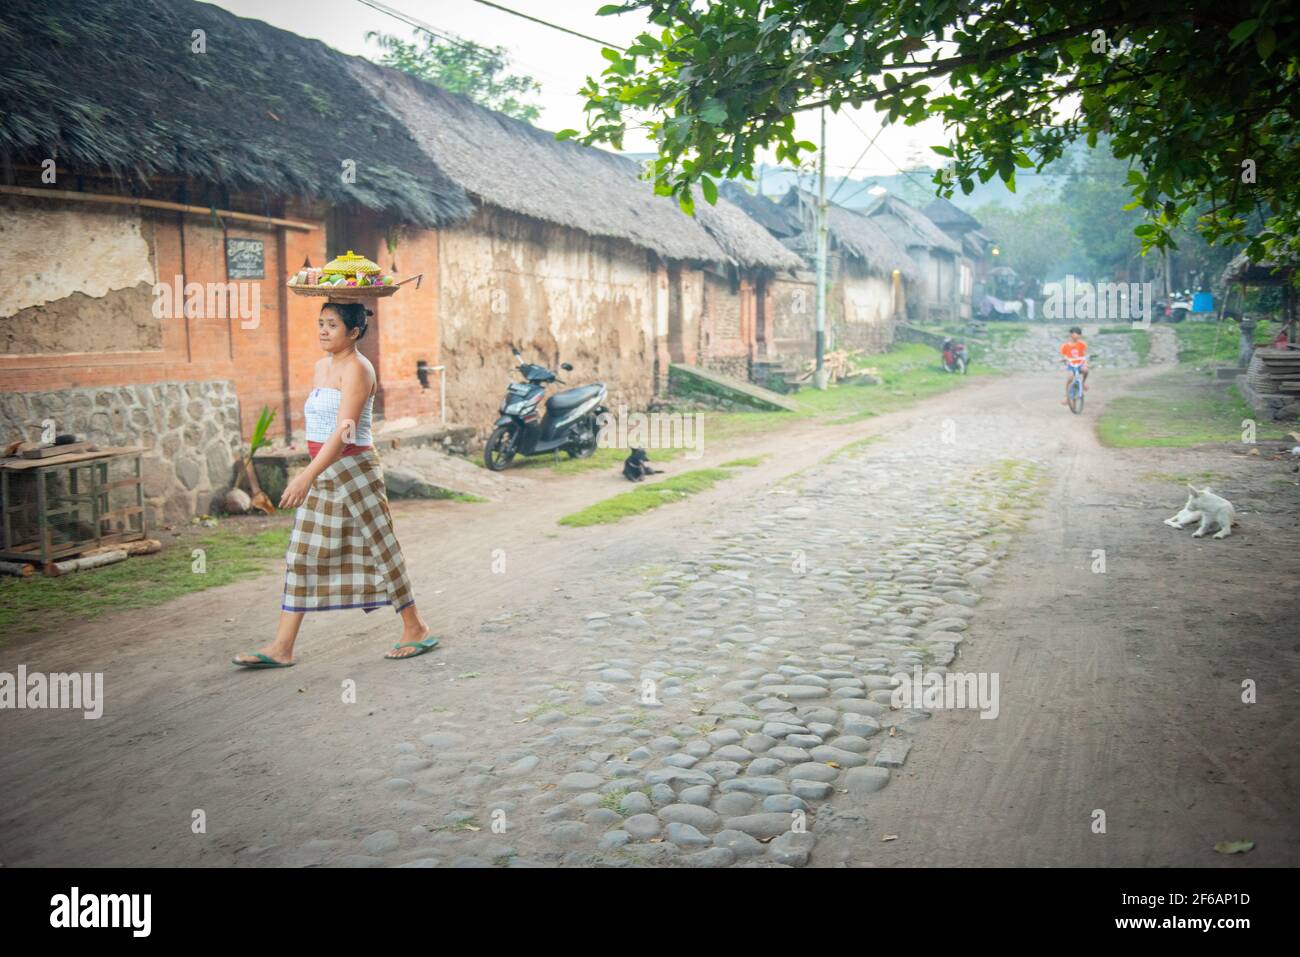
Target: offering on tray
pixel 349 278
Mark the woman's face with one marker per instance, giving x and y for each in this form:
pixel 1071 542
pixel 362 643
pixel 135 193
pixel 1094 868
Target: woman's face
pixel 334 335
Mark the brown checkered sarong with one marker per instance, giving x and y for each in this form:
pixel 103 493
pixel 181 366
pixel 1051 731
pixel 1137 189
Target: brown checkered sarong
pixel 343 553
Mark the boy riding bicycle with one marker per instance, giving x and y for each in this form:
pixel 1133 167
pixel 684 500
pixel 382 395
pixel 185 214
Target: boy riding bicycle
pixel 1074 352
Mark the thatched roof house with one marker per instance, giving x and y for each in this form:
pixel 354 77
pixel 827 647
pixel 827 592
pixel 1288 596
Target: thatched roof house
pixel 776 219
pixel 909 227
pixel 515 166
pixel 116 86
pixel 949 217
pixel 859 237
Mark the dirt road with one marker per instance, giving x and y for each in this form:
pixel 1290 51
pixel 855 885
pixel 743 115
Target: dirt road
pixel 663 690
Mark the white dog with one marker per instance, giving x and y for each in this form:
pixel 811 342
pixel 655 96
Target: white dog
pixel 1212 511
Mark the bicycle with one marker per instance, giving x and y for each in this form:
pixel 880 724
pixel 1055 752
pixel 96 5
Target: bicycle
pixel 1074 393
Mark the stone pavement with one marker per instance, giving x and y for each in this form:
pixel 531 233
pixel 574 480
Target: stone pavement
pixel 730 707
pixel 1039 348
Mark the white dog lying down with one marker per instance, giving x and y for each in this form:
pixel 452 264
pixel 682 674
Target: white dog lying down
pixel 1207 508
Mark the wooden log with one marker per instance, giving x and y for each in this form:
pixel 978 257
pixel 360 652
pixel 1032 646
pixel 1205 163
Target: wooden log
pixel 144 546
pixel 17 569
pixel 55 569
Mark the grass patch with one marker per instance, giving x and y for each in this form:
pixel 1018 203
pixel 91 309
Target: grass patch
pixel 908 373
pixel 230 554
pixel 643 499
pixel 1202 343
pixel 749 463
pixel 1178 478
pixel 1141 341
pixel 1179 408
pixel 850 448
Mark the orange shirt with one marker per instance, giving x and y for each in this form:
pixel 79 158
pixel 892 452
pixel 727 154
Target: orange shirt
pixel 1075 353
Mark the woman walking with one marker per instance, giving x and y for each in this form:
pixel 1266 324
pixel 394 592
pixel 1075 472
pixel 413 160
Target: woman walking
pixel 342 553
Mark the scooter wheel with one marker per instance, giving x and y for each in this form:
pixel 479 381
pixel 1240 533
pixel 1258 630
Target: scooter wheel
pixel 585 447
pixel 500 449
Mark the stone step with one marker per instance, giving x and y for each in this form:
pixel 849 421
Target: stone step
pixel 685 380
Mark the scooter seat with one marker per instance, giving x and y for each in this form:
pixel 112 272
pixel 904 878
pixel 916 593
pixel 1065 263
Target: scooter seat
pixel 569 398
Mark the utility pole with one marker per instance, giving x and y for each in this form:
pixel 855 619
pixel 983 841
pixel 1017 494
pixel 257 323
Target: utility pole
pixel 819 377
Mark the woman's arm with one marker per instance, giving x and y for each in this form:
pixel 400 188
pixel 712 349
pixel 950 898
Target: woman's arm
pixel 356 389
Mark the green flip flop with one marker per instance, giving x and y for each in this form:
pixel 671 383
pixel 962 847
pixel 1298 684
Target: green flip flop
pixel 425 645
pixel 264 661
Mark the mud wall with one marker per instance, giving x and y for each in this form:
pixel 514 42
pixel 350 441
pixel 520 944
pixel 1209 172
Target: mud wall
pixel 80 312
pixel 559 295
pixel 867 319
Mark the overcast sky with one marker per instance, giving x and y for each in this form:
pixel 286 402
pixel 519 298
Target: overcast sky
pixel 561 63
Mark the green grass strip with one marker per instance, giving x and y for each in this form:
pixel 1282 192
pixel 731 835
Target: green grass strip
pixel 647 497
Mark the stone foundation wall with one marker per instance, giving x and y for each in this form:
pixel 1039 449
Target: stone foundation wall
pixel 735 366
pixel 190 431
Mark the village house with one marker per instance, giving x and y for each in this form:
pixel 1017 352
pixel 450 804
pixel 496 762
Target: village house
pixel 868 276
pixel 571 256
pixel 977 249
pixel 944 289
pixel 150 224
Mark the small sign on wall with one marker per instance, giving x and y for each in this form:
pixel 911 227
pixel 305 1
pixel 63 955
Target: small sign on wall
pixel 245 259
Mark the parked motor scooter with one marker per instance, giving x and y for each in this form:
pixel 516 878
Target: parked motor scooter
pixel 954 356
pixel 1180 306
pixel 570 421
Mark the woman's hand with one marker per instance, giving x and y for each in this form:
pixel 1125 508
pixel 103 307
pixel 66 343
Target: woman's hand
pixel 296 491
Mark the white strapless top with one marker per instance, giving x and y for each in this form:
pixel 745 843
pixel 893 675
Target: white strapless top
pixel 322 411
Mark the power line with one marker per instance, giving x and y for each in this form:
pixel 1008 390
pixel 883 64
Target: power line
pixel 553 26
pixel 448 36
pixel 925 186
pixel 420 25
pixel 847 175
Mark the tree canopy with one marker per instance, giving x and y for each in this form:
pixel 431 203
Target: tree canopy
pixel 1200 98
pixel 463 66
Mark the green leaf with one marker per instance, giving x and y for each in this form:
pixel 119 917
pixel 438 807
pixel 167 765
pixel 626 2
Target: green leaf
pixel 713 113
pixel 566 134
pixel 942 150
pixel 1243 30
pixel 710 190
pixel 1266 42
pixel 613 56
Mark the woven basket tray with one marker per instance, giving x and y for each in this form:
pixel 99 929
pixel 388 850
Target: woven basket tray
pixel 344 293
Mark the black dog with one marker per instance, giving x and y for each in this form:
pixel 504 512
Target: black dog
pixel 637 466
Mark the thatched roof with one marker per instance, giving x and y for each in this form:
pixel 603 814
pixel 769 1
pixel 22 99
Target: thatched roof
pixel 744 241
pixel 976 243
pixel 908 226
pixel 515 166
pixel 1271 272
pixel 113 86
pixel 854 233
pixel 949 217
pixel 776 219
